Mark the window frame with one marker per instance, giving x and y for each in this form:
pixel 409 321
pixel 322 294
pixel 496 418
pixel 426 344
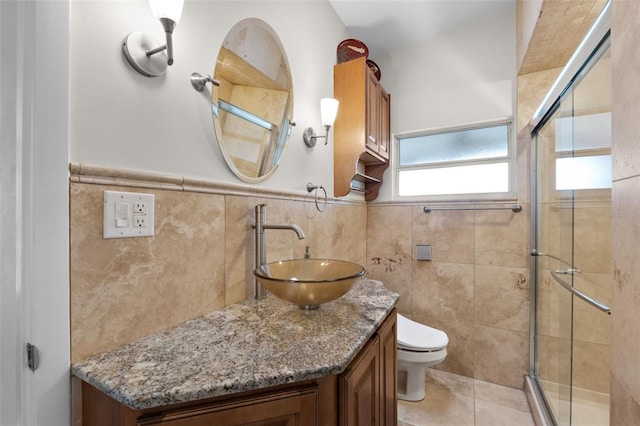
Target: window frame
pixel 510 159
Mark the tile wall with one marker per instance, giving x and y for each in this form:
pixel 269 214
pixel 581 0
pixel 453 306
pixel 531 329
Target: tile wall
pixel 625 333
pixel 200 259
pixel 476 288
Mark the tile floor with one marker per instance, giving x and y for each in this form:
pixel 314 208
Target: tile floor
pixel 453 400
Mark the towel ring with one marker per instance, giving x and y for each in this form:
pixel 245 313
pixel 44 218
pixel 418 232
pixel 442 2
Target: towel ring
pixel 312 187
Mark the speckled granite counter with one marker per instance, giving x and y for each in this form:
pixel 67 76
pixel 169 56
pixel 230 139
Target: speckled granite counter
pixel 249 345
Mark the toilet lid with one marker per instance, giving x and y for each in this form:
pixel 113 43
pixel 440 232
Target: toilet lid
pixel 413 335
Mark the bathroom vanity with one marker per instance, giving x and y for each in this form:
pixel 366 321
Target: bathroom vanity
pixel 255 362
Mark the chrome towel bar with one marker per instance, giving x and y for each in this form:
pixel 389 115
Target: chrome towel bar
pixel 516 208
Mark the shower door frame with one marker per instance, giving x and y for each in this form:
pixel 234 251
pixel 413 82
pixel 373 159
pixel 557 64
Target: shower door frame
pixel 569 76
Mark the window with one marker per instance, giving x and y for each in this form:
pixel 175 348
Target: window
pixel 583 152
pixel 461 163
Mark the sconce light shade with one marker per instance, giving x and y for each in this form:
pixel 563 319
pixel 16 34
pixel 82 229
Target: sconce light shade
pixel 328 111
pixel 141 50
pixel 171 9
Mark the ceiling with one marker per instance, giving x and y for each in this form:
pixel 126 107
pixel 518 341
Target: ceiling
pixel 385 25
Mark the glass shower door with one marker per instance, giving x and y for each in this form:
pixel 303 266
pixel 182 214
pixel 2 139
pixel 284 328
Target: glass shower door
pixel 554 315
pixel 573 248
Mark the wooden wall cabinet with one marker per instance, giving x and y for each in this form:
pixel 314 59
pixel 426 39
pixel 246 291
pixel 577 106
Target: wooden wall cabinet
pixel 365 394
pixel 361 137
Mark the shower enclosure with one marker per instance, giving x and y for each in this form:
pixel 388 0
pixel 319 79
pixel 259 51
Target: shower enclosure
pixel 571 253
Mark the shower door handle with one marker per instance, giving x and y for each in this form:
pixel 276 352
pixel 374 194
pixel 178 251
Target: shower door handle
pixel 590 300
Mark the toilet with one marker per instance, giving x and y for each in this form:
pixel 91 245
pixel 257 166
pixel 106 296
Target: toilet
pixel 419 347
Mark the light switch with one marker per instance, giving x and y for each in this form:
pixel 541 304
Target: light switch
pixel 128 214
pixel 122 215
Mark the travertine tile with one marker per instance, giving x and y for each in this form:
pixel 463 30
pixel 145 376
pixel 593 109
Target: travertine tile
pixel 123 289
pixel 501 238
pixel 625 38
pixel 397 276
pixel 502 297
pixel 560 28
pixel 389 250
pixel 240 245
pixel 452 399
pixel 532 88
pixel 501 395
pixel 625 409
pixel 455 383
pixel 389 232
pixel 449 233
pixel 460 355
pixel 444 290
pixel 544 309
pixel 339 232
pixel 442 405
pixel 490 414
pixel 501 356
pixel 590 324
pixel 592 239
pixel 591 366
pixel 284 244
pixel 625 333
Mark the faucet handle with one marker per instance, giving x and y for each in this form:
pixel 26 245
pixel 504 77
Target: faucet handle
pixel 307 252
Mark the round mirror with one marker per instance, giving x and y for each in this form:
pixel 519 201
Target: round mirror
pixel 253 104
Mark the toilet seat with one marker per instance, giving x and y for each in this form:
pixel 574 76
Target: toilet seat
pixel 413 336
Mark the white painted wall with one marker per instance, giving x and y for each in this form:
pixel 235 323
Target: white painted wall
pixel 122 119
pixel 467 75
pixel 34 217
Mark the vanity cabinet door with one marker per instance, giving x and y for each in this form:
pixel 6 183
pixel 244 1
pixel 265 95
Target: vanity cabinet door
pixel 289 408
pixel 360 387
pixel 388 371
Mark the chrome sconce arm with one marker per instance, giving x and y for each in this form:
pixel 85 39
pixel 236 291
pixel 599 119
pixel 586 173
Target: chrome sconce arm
pixel 168 26
pixel 141 50
pixel 309 136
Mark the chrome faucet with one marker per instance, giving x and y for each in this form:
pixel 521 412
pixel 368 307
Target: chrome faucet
pixel 261 241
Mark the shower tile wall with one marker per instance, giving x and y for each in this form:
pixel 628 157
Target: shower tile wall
pixel 200 259
pixel 476 288
pixel 625 333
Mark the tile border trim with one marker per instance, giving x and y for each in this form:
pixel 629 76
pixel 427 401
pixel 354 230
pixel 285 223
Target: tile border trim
pixel 100 175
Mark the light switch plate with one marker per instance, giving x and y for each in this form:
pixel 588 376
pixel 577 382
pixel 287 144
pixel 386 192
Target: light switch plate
pixel 128 214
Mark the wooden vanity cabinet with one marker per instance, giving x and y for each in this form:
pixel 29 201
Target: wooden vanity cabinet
pixel 369 385
pixel 365 394
pixel 296 407
pixel 308 403
pixel 389 370
pixel 362 138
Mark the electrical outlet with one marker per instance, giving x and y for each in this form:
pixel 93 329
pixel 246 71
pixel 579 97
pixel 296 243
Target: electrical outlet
pixel 139 207
pixel 140 220
pixel 128 214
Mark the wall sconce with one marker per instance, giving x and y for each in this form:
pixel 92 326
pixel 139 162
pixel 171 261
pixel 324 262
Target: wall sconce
pixel 142 51
pixel 328 111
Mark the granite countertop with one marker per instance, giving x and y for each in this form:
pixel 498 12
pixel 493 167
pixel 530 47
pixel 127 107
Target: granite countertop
pixel 249 345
